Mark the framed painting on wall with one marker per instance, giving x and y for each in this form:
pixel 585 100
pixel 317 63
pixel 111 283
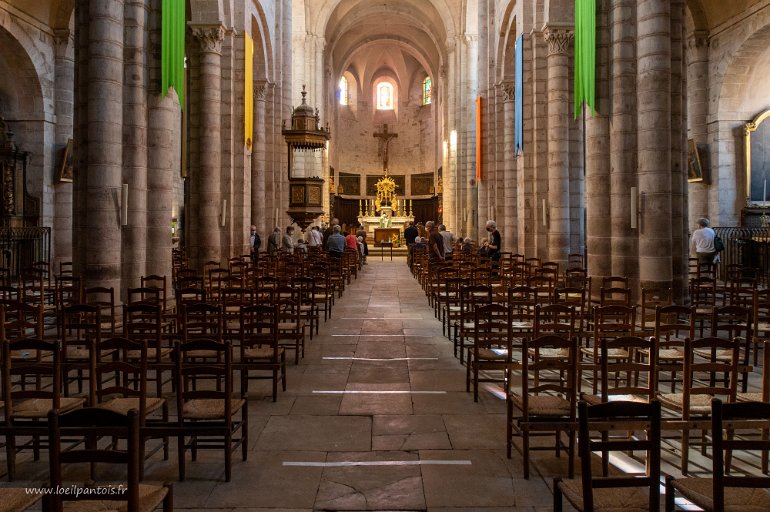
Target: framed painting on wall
pixel 694 168
pixel 65 170
pixel 422 184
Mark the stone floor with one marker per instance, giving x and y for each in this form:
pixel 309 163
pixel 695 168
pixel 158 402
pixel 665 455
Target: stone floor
pixel 376 417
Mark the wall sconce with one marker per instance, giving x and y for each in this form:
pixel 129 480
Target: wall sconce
pixel 634 207
pixel 124 205
pixel 173 226
pixel 223 217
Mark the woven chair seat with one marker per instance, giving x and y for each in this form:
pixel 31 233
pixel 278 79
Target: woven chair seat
pixel 543 405
pixel 550 353
pixel 486 354
pixel 699 404
pixel 260 352
pixel 290 326
pixel 15 499
pixel 209 409
pixel 23 355
pixel 703 311
pixel 755 396
pixel 77 353
pixel 123 405
pixel 39 407
pixel 613 353
pixel 763 327
pixel 737 499
pixel 721 354
pixel 619 499
pixel 597 399
pixel 152 353
pixel 150 496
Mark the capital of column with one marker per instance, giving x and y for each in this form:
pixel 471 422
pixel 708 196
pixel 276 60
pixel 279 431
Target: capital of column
pixel 558 39
pixel 508 88
pixel 260 89
pixel 61 38
pixel 210 37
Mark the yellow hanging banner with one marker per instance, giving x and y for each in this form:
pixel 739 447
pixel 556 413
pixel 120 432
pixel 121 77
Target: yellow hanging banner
pixel 248 92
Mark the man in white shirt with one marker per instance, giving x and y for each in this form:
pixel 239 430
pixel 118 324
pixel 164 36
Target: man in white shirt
pixel 703 242
pixel 314 236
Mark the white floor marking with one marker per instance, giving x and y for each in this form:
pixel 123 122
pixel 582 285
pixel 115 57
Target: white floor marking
pixel 374 392
pixel 351 358
pixel 380 463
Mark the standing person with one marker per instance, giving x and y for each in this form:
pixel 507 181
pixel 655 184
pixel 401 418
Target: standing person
pixel 493 242
pixel 314 237
pixel 287 242
pixel 435 242
pixel 703 242
pixel 336 242
pixel 361 233
pixel 274 241
pixel 329 231
pixel 255 243
pixel 410 234
pixel 449 241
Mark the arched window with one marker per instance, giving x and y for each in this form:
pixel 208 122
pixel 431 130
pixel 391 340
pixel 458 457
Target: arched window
pixel 385 96
pixel 427 86
pixel 343 91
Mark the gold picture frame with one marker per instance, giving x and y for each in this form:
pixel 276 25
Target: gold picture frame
pixel 65 171
pixel 748 129
pixel 694 168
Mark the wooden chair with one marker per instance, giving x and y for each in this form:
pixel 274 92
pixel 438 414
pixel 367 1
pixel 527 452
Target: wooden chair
pixel 735 323
pixel 492 348
pixel 143 322
pixel 291 326
pixel 650 301
pixel 726 491
pixel 207 414
pixel 119 383
pixel 104 298
pixel 547 398
pixel 703 293
pixel 609 322
pixel 471 297
pixel 81 333
pixel 700 385
pixel 673 326
pixel 17 499
pixel 618 492
pixel 259 349
pixel 27 406
pixel 761 317
pixel 630 380
pixel 90 424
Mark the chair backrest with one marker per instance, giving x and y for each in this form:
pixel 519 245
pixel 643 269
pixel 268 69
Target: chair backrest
pixel 723 415
pixel 81 325
pixel 104 298
pixel 259 327
pixel 492 329
pixel 555 319
pixel 651 299
pixel 23 320
pixel 615 295
pixel 216 377
pixel 731 321
pixel 556 376
pixel 159 282
pixel 116 371
pixel 90 424
pixel 614 282
pixel 201 320
pixel 143 322
pixel 707 372
pixel 633 376
pixel 613 321
pixel 144 294
pixel 703 291
pixel 674 324
pixel 596 422
pixel 23 362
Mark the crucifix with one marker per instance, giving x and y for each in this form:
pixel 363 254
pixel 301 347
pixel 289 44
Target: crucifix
pixel 385 138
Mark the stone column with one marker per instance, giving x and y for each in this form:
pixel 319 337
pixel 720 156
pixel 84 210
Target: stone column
pixel 654 138
pixel 64 107
pixel 99 203
pixel 598 207
pixel 697 114
pixel 679 207
pixel 80 130
pixel 509 170
pixel 558 40
pixel 623 154
pixel 258 213
pixel 205 193
pixel 134 234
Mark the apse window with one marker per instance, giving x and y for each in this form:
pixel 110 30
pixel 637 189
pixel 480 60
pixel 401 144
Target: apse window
pixel 385 96
pixel 427 86
pixel 343 91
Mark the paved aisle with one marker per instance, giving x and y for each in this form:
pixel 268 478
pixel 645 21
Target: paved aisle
pixel 376 418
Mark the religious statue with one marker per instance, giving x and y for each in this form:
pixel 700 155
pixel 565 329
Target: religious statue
pixel 385 221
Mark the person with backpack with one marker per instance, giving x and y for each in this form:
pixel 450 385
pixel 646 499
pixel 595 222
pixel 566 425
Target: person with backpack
pixel 702 242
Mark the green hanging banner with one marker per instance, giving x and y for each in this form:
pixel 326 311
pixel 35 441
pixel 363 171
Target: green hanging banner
pixel 585 54
pixel 172 49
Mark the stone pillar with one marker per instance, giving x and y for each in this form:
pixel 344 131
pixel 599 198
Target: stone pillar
pixel 598 207
pixel 558 40
pixel 510 235
pixel 679 235
pixel 205 193
pixel 258 212
pixel 623 155
pixel 697 114
pixel 80 130
pixel 64 107
pixel 134 234
pixel 99 203
pixel 653 49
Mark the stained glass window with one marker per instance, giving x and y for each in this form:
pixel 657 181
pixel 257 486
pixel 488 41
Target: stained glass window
pixel 343 91
pixel 427 85
pixel 384 96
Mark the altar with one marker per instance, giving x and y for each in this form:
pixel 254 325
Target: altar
pixel 397 221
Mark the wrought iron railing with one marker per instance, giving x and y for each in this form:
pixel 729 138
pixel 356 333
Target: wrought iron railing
pixel 749 247
pixel 21 247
